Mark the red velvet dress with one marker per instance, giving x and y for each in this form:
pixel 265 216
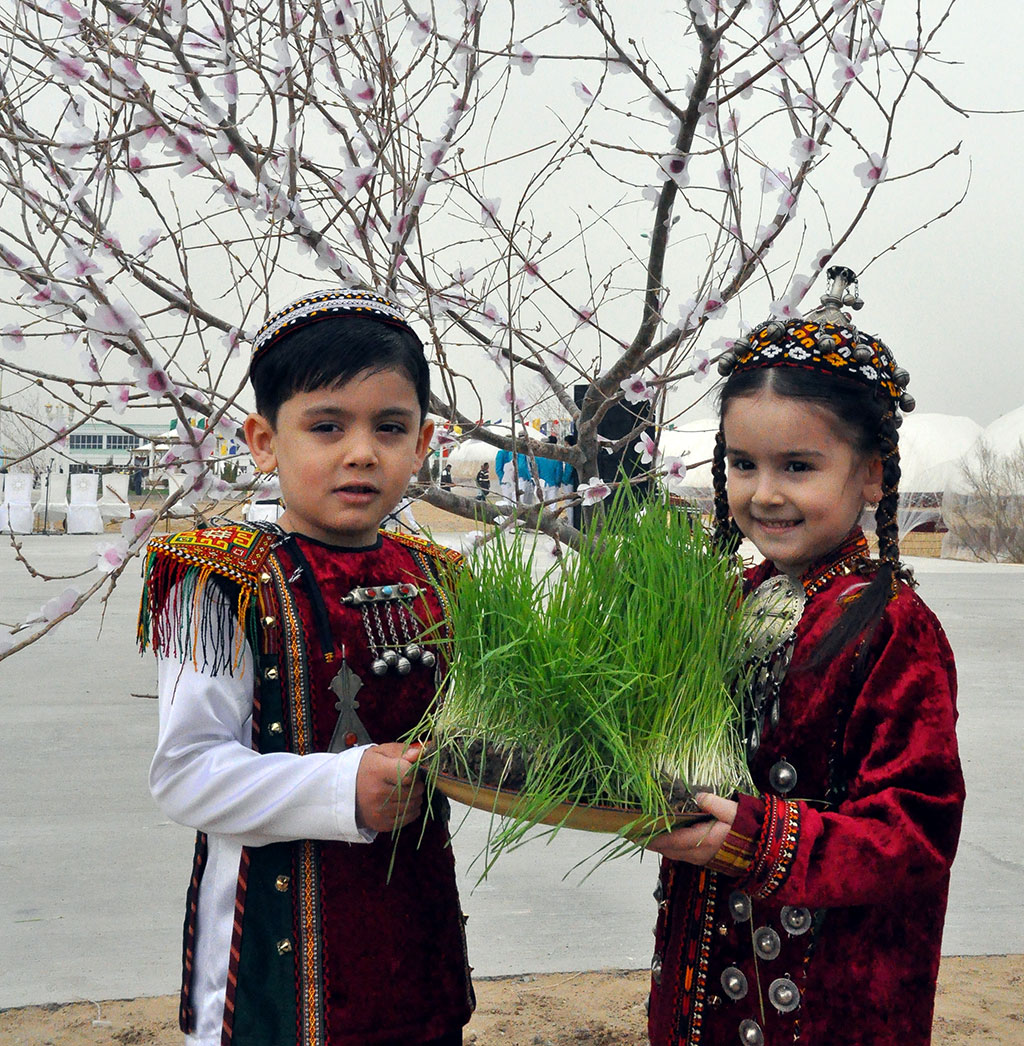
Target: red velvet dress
pixel 825 924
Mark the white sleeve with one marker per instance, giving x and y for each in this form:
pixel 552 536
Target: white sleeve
pixel 206 775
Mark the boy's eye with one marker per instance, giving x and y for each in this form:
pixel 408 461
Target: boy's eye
pixel 392 427
pixel 326 426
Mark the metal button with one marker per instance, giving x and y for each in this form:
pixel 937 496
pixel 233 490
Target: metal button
pixel 767 943
pixel 282 882
pixel 265 578
pixel 751 1034
pixel 284 947
pixel 734 982
pixel 271 673
pixel 784 995
pixel 269 621
pixel 714 1001
pixel 795 921
pixel 782 776
pixel 723 930
pixel 739 905
pixel 656 969
pixel 276 727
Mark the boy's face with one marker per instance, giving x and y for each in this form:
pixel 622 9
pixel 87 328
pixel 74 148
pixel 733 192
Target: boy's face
pixel 344 455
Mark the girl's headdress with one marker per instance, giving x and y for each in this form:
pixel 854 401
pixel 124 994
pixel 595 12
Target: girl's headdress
pixel 825 341
pixel 326 305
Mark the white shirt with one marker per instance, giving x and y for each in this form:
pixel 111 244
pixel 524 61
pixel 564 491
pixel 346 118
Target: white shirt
pixel 205 774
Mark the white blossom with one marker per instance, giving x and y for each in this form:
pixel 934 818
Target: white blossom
pixel 594 491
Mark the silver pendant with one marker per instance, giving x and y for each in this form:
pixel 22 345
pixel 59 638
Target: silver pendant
pixel 349 730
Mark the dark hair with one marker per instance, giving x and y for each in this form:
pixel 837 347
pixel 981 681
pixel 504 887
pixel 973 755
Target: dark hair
pixel 868 421
pixel 332 351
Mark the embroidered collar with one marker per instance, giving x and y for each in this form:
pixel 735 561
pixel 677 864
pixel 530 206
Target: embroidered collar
pixel 850 555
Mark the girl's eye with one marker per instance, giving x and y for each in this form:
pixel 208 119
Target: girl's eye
pixel 741 464
pixel 799 466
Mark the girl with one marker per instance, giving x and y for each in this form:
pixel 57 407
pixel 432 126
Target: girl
pixel 813 912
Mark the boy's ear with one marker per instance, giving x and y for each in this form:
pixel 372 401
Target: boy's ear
pixel 873 480
pixel 259 435
pixel 423 442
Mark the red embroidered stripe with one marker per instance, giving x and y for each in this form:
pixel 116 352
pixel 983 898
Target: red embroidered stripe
pixel 236 940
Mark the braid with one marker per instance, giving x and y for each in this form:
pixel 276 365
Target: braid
pixel 887 513
pixel 727 535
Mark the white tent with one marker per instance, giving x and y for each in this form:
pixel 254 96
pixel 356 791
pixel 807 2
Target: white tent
pixel 931 449
pixel 1005 434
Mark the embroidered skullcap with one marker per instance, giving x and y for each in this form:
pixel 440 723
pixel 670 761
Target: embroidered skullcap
pixel 330 304
pixel 825 341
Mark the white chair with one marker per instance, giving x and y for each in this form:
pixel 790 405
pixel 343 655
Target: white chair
pixel 52 503
pixel 114 496
pixel 265 504
pixel 84 510
pixel 16 508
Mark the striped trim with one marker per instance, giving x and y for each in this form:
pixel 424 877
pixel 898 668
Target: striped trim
pixel 186 1012
pixel 309 963
pixel 236 949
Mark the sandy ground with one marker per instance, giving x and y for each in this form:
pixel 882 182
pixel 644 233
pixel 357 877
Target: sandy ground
pixel 980 1000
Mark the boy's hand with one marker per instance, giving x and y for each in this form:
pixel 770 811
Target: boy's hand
pixel 389 788
pixel 698 843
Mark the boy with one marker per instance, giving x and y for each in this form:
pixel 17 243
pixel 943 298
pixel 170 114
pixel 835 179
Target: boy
pixel 286 651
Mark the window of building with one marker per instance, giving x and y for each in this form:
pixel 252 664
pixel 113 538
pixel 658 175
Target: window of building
pixel 85 441
pixel 122 442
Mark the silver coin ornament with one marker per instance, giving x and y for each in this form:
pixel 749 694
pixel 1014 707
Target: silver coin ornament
pixel 379 667
pixel 795 921
pixel 739 905
pixel 784 995
pixel 428 659
pixel 734 983
pixel 767 943
pixel 770 615
pixel 782 777
pixel 751 1034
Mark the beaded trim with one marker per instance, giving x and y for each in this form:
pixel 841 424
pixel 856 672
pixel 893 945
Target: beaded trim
pixel 774 857
pixel 849 556
pixel 322 306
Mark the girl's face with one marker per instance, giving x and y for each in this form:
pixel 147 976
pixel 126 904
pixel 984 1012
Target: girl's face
pixel 796 483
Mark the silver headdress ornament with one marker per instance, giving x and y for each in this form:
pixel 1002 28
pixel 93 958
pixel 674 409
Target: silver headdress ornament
pixel 827 341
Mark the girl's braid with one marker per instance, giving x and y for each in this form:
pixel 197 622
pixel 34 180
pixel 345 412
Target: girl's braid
pixel 887 512
pixel 723 522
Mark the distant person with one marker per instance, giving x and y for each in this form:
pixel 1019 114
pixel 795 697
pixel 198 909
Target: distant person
pixel 483 482
pixel 550 471
pixel 813 910
pixel 446 478
pixel 289 665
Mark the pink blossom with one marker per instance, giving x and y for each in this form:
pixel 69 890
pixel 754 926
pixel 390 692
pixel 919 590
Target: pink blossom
pixel 673 165
pixel 69 12
pixel 341 18
pixel 79 263
pixel 148 240
pixel 421 28
pixel 532 272
pixel 433 152
pixel 525 59
pixel 701 365
pixel 13 338
pixel 823 258
pixel 804 149
pixel 872 170
pixel 118 399
pixel 464 274
pixel 135 529
pixel 128 72
pixel 111 554
pixel 360 92
pixel 116 318
pixel 676 469
pixel 583 93
pixel 516 402
pixel 635 389
pixel 443 439
pixel 59 605
pixel 594 491
pixel 228 86
pixel 489 211
pixel 725 177
pixel 846 71
pixel 583 316
pixel 646 448
pixel 355 178
pixel 152 380
pixel 575 11
pixel 231 341
pixel 69 69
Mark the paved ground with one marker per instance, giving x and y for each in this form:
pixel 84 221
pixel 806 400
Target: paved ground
pixel 93 875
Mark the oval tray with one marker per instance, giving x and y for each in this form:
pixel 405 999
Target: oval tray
pixel 592 818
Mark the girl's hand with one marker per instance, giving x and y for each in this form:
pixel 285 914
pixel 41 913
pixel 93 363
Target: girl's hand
pixel 698 843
